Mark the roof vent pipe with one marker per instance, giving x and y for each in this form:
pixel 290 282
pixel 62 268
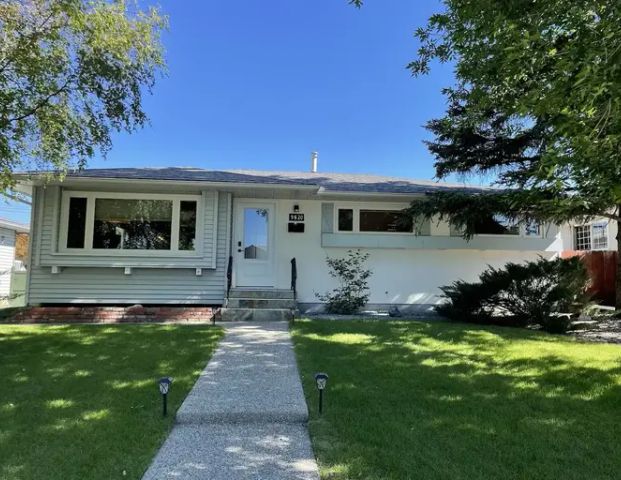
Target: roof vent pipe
pixel 314 156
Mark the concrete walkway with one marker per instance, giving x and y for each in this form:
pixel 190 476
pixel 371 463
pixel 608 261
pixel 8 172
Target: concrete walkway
pixel 245 418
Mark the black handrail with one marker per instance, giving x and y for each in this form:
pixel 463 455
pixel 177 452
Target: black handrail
pixel 294 278
pixel 229 276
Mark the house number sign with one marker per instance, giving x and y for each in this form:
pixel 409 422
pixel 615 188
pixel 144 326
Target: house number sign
pixel 296 217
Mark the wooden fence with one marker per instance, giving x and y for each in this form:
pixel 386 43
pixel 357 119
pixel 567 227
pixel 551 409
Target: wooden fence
pixel 602 267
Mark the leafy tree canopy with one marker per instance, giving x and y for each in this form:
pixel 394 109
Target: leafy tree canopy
pixel 536 107
pixel 71 73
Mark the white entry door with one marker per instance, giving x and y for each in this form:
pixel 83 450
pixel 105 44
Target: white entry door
pixel 253 244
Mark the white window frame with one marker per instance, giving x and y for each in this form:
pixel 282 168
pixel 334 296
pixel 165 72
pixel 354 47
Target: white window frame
pixel 356 209
pixel 104 252
pixel 394 206
pixel 590 225
pixel 521 233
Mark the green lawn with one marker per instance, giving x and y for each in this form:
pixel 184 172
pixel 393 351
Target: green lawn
pixel 418 400
pixel 81 402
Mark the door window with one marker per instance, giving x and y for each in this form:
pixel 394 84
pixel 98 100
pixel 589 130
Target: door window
pixel 256 230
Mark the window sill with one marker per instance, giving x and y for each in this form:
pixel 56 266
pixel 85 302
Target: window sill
pixel 127 254
pixel 433 242
pixel 133 264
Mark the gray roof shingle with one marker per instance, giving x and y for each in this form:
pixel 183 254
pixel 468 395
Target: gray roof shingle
pixel 330 182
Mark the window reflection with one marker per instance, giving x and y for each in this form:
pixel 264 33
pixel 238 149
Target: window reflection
pixel 256 233
pixel 132 224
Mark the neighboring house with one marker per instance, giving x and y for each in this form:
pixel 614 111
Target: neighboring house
pixel 12 265
pixel 596 242
pixel 599 234
pixel 165 236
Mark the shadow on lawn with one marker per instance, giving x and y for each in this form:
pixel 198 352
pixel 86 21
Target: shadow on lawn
pixel 82 401
pixel 439 400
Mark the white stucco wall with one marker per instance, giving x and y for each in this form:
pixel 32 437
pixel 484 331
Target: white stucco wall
pixel 400 275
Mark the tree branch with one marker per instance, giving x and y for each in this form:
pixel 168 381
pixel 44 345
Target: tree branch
pixel 41 104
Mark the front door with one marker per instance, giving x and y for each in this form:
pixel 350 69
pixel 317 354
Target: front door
pixel 253 244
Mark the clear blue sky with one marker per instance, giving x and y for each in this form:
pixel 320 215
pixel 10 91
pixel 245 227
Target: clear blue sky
pixel 260 84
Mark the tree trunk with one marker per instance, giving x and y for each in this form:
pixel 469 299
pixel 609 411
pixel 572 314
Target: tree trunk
pixel 618 272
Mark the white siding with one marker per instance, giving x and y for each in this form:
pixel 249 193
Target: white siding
pixel 7 255
pixel 101 279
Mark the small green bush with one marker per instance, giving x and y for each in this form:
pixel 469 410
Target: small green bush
pixel 530 293
pixel 353 290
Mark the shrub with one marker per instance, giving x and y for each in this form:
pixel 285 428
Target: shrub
pixel 353 290
pixel 520 294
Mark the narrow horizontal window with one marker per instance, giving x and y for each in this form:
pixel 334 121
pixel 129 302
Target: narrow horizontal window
pixel 132 224
pixel 346 220
pixel 384 221
pixel 187 225
pixel 496 225
pixel 77 222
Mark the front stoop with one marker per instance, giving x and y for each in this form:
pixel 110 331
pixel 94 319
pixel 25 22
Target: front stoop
pixel 259 305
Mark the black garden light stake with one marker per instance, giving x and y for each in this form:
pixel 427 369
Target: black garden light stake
pixel 164 384
pixel 321 379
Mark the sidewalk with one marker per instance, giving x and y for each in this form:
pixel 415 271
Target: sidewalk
pixel 245 417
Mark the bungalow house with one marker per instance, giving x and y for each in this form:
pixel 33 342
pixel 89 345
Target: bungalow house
pixel 243 239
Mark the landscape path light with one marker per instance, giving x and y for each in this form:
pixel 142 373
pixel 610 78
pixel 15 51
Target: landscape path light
pixel 321 380
pixel 164 384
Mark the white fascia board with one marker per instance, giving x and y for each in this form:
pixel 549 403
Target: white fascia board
pixel 30 180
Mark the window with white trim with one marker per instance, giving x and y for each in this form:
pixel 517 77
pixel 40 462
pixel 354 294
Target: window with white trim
pixel 593 236
pixel 378 220
pixel 496 225
pixel 125 223
pixel 582 237
pixel 500 225
pixel 384 221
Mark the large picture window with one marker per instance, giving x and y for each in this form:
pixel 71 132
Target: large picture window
pixel 132 223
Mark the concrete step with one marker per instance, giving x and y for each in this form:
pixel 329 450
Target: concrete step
pixel 255 314
pixel 261 303
pixel 261 293
pixel 584 325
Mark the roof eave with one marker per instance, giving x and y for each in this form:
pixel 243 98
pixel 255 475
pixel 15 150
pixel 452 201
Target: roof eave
pixel 39 180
